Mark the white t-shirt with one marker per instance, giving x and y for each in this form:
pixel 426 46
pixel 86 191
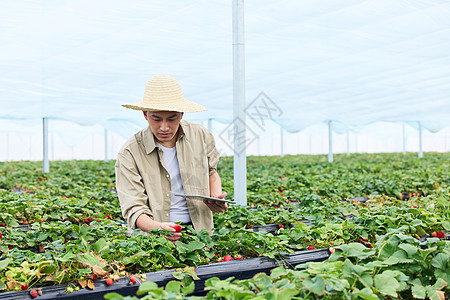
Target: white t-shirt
pixel 178 206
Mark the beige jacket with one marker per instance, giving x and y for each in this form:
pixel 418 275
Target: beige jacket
pixel 143 183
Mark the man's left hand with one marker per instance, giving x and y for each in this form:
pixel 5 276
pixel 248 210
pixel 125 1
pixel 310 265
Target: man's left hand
pixel 217 206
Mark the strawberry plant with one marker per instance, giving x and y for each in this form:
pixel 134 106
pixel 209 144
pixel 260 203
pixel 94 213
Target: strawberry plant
pixel 71 228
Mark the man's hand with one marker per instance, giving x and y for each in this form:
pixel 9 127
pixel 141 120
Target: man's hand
pixel 170 226
pixel 217 206
pixel 145 223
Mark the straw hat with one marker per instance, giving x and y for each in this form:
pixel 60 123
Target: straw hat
pixel 163 93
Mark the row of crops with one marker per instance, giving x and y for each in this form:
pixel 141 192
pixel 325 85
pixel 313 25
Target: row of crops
pixel 382 220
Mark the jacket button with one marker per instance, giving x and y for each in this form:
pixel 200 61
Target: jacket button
pixel 167 215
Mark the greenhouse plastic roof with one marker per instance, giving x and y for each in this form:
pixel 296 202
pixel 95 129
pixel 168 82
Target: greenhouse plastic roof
pixel 352 62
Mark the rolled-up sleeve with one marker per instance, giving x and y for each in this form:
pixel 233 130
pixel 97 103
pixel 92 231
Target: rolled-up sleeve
pixel 130 189
pixel 212 153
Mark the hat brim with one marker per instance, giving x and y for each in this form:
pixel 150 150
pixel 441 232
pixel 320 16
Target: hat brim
pixel 179 106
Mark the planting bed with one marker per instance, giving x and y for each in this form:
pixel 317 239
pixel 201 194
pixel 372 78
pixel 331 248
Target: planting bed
pixel 63 233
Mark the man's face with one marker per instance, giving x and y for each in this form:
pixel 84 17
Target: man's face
pixel 164 125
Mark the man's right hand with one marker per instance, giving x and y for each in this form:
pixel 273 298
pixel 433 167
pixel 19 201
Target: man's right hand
pixel 170 226
pixel 145 223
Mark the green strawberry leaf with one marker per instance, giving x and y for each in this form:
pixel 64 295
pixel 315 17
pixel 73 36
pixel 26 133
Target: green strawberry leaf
pixel 386 284
pixel 2 285
pixel 114 296
pixel 316 285
pixel 100 245
pixel 173 286
pixel 419 291
pixel 195 245
pixel 446 225
pixel 440 261
pixel 4 263
pixel 366 293
pixel 146 287
pixel 410 249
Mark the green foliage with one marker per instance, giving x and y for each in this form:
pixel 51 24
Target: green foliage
pixel 71 228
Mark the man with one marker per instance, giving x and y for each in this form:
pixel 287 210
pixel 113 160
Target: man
pixel 168 158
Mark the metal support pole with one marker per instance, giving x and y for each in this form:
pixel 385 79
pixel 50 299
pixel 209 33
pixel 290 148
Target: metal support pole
pixel 330 143
pixel 7 146
pixel 404 138
pixel 210 128
pixel 310 143
pixel 445 141
pixel 348 143
pixel 30 151
pixel 53 145
pixel 45 162
pixel 93 146
pixel 420 140
pixel 240 155
pixel 258 139
pixel 106 144
pixel 281 141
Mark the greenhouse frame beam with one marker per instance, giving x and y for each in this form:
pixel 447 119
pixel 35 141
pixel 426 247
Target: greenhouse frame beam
pixel 281 141
pixel 330 142
pixel 210 125
pixel 240 155
pixel 106 144
pixel 348 142
pixel 420 140
pixel 404 138
pixel 45 162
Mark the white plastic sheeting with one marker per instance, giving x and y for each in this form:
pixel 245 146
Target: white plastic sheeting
pixel 353 62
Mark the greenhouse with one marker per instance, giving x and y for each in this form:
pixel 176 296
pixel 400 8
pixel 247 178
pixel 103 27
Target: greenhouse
pixel 329 125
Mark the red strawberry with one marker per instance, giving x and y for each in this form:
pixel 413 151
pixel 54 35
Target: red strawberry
pixel 133 279
pixel 177 228
pixel 440 235
pixel 1 235
pixel 280 226
pixel 228 258
pixel 370 246
pixel 109 281
pixel 415 206
pixel 310 247
pixel 238 257
pixel 24 287
pixel 220 259
pixel 33 293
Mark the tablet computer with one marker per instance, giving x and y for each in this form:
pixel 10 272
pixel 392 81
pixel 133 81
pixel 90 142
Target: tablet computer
pixel 205 197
